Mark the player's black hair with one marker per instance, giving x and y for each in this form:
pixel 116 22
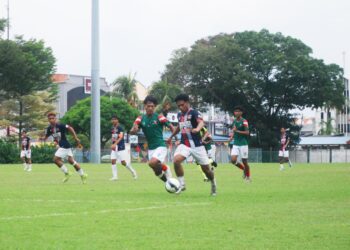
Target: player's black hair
pixel 24 131
pixel 182 97
pixel 151 99
pixel 51 114
pixel 114 117
pixel 238 107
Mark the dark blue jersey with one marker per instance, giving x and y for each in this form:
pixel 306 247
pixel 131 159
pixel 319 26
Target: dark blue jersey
pixel 115 135
pixel 187 122
pixel 58 132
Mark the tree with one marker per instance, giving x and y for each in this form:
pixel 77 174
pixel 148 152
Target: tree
pixel 125 87
pixel 269 74
pixel 25 68
pixel 3 23
pixel 165 92
pixel 79 116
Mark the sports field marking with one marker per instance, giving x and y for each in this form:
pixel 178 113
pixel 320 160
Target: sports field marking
pixel 27 217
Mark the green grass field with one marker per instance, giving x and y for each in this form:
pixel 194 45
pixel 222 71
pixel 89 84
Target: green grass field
pixel 306 207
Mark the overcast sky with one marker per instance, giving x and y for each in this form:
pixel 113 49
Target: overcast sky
pixel 140 35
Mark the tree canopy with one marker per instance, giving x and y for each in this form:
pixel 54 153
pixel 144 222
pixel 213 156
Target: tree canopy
pixel 269 74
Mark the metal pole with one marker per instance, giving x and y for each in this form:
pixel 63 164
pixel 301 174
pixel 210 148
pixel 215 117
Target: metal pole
pixel 95 86
pixel 8 19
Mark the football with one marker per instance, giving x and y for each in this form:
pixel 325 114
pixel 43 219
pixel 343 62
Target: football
pixel 172 185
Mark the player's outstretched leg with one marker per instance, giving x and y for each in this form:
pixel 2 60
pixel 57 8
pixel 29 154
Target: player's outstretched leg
pixel 58 161
pixel 156 165
pixel 246 170
pixel 79 170
pixel 178 159
pixel 130 168
pixel 114 170
pixel 210 175
pixel 238 164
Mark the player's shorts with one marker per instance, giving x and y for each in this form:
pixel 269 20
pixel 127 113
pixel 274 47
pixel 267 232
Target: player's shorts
pixel 284 154
pixel 158 153
pixel 26 154
pixel 119 155
pixel 211 152
pixel 198 153
pixel 64 152
pixel 240 151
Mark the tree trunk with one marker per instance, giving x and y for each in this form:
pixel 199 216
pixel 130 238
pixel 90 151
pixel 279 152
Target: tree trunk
pixel 20 121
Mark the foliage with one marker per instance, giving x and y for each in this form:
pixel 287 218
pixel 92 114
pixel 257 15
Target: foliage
pixel 165 92
pixel 9 152
pixel 25 68
pixel 43 153
pixel 79 116
pixel 125 87
pixel 3 23
pixel 269 74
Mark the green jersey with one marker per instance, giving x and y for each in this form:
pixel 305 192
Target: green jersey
pixel 152 127
pixel 241 125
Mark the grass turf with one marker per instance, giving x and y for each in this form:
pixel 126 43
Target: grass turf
pixel 306 207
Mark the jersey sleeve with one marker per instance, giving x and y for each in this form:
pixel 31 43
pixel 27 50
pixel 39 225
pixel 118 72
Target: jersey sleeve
pixel 138 120
pixel 48 132
pixel 163 120
pixel 197 116
pixel 245 125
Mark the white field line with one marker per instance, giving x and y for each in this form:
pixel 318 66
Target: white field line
pixel 26 217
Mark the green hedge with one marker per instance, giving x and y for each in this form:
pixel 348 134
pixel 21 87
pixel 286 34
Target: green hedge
pixel 10 153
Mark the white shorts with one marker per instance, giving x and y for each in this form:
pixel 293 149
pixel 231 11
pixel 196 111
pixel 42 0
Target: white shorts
pixel 284 154
pixel 198 153
pixel 240 151
pixel 26 154
pixel 158 153
pixel 64 152
pixel 119 155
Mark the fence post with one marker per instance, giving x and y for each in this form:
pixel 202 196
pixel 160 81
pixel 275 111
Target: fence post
pixel 308 155
pixel 330 155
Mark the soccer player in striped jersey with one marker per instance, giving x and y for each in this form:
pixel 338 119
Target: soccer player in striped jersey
pixel 240 136
pixel 283 153
pixel 152 125
pixel 58 132
pixel 190 124
pixel 118 150
pixel 26 154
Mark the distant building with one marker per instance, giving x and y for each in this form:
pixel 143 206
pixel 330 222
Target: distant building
pixel 72 88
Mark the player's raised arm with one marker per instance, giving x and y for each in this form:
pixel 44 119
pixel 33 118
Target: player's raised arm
pixel 72 131
pixel 136 126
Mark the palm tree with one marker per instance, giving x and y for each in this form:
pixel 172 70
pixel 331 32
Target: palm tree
pixel 125 87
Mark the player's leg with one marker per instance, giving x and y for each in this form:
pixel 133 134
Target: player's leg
pixel 211 155
pixel 281 159
pixel 181 153
pixel 124 161
pixel 234 158
pixel 76 165
pixel 29 162
pixel 58 159
pixel 286 158
pixel 201 156
pixel 114 166
pixel 156 157
pixel 23 158
pixel 203 174
pixel 244 155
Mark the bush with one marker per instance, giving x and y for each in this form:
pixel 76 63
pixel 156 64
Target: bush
pixel 9 152
pixel 43 153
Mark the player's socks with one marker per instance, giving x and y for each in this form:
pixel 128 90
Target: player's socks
pixel 162 177
pixel 114 172
pixel 182 182
pixel 29 168
pixel 167 171
pixel 25 167
pixel 64 169
pixel 80 172
pixel 290 163
pixel 132 170
pixel 213 187
pixel 281 167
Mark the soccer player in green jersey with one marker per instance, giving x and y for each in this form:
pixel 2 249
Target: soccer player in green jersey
pixel 152 125
pixel 240 144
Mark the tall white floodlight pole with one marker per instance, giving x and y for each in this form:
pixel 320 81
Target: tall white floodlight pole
pixel 95 86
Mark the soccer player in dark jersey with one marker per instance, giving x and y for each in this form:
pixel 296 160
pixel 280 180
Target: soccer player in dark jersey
pixel 26 154
pixel 190 124
pixel 118 150
pixel 58 132
pixel 152 125
pixel 283 153
pixel 240 135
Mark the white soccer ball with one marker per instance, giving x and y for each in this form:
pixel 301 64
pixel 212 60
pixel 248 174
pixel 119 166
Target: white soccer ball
pixel 172 185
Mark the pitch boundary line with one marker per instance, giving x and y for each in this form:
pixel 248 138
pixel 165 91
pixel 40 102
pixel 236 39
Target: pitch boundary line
pixel 37 216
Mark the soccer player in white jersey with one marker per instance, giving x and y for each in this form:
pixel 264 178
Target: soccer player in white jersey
pixel 283 154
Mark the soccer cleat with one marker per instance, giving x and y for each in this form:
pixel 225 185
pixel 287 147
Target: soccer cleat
pixel 84 178
pixel 134 175
pixel 66 177
pixel 205 179
pixel 183 187
pixel 214 164
pixel 281 168
pixel 29 170
pixel 248 179
pixel 113 178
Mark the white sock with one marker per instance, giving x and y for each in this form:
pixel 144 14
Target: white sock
pixel 168 172
pixel 25 166
pixel 281 166
pixel 114 171
pixel 64 169
pixel 30 166
pixel 130 168
pixel 181 180
pixel 80 172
